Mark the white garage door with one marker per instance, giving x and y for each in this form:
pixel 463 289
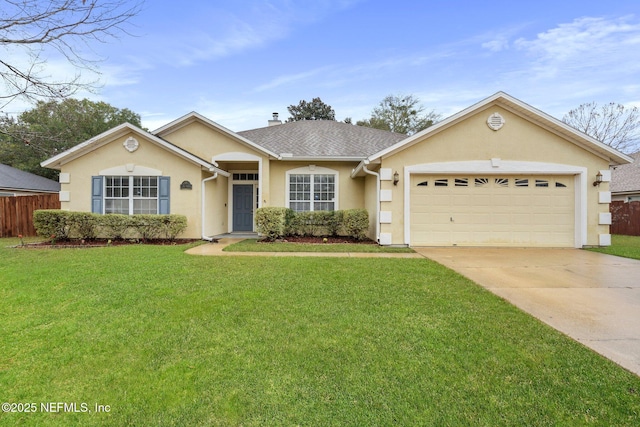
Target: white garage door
pixel 492 211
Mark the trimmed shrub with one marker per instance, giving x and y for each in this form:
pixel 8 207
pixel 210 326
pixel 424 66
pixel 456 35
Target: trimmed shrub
pixel 173 225
pixel 317 223
pixel 115 226
pixel 61 225
pixel 272 222
pixel 82 225
pixel 52 223
pixel 335 223
pixel 356 223
pixel 148 226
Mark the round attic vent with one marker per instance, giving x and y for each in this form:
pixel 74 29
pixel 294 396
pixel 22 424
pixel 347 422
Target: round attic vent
pixel 131 144
pixel 495 121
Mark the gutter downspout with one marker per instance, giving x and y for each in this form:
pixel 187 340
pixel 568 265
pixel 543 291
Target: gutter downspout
pixel 377 175
pixel 211 178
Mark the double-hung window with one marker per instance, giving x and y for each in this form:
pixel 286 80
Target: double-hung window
pixel 131 195
pixel 313 190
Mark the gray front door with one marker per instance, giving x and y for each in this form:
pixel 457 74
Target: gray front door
pixel 243 207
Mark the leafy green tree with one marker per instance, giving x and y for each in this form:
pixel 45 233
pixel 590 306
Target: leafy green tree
pixel 52 127
pixel 401 114
pixel 611 124
pixel 314 110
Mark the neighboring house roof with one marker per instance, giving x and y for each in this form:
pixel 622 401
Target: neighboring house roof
pixel 319 139
pixel 626 178
pixel 13 179
pixel 85 147
pixel 522 109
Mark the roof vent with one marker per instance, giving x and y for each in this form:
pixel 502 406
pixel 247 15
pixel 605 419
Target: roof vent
pixel 495 121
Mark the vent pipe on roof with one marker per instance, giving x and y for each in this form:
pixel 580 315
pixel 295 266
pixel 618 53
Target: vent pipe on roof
pixel 275 120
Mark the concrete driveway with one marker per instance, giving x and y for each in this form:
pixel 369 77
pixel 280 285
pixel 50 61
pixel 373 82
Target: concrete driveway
pixel 591 297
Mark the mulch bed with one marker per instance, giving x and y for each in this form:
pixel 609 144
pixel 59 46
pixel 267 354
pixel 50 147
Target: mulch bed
pixel 100 243
pixel 321 240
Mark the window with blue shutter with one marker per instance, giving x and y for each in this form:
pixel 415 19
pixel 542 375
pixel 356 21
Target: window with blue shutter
pixel 96 194
pixel 163 194
pixel 130 195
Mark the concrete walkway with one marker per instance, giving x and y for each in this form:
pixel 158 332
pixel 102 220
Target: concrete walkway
pixel 217 249
pixel 591 297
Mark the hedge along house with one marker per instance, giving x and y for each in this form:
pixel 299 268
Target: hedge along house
pixel 499 173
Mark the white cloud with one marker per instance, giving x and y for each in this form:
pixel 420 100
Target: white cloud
pixel 235 28
pixel 586 42
pixel 291 78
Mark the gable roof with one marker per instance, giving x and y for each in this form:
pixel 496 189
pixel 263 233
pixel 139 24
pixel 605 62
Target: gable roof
pixel 13 179
pixel 85 147
pixel 626 178
pixel 521 109
pixel 187 119
pixel 322 139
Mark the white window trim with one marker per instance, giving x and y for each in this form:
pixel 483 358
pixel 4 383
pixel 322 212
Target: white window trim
pixel 314 170
pixel 479 167
pixel 131 197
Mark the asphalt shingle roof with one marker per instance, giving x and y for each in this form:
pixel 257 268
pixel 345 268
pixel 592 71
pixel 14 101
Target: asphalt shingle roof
pixel 16 179
pixel 626 177
pixel 322 138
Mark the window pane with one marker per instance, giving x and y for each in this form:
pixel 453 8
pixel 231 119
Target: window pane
pixel 116 194
pixel 145 206
pixel 323 206
pixel 300 206
pixel 324 189
pixel 118 206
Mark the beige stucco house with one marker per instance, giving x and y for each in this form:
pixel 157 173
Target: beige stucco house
pixel 499 173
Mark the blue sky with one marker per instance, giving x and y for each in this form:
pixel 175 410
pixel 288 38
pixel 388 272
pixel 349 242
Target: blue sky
pixel 238 61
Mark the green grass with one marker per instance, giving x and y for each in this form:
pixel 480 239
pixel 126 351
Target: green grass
pixel 624 246
pixel 252 245
pixel 169 339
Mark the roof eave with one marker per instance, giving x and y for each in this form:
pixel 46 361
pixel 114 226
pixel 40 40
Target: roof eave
pixel 321 158
pixel 29 190
pixel 625 192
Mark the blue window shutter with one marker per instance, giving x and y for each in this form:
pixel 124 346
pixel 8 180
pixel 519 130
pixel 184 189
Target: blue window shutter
pixel 96 194
pixel 163 194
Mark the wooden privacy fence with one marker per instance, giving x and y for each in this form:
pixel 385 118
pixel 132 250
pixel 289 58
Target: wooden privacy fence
pixel 16 213
pixel 625 218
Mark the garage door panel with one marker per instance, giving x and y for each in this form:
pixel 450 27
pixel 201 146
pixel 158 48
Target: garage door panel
pixel 493 211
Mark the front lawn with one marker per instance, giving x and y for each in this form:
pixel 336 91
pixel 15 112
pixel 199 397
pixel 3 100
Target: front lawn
pixel 253 245
pixel 164 338
pixel 624 246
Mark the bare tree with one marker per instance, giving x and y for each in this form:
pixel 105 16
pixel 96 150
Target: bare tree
pixel 611 124
pixel 29 27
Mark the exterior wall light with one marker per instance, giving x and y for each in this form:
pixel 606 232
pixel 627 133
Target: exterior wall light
pixel 396 178
pixel 598 180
